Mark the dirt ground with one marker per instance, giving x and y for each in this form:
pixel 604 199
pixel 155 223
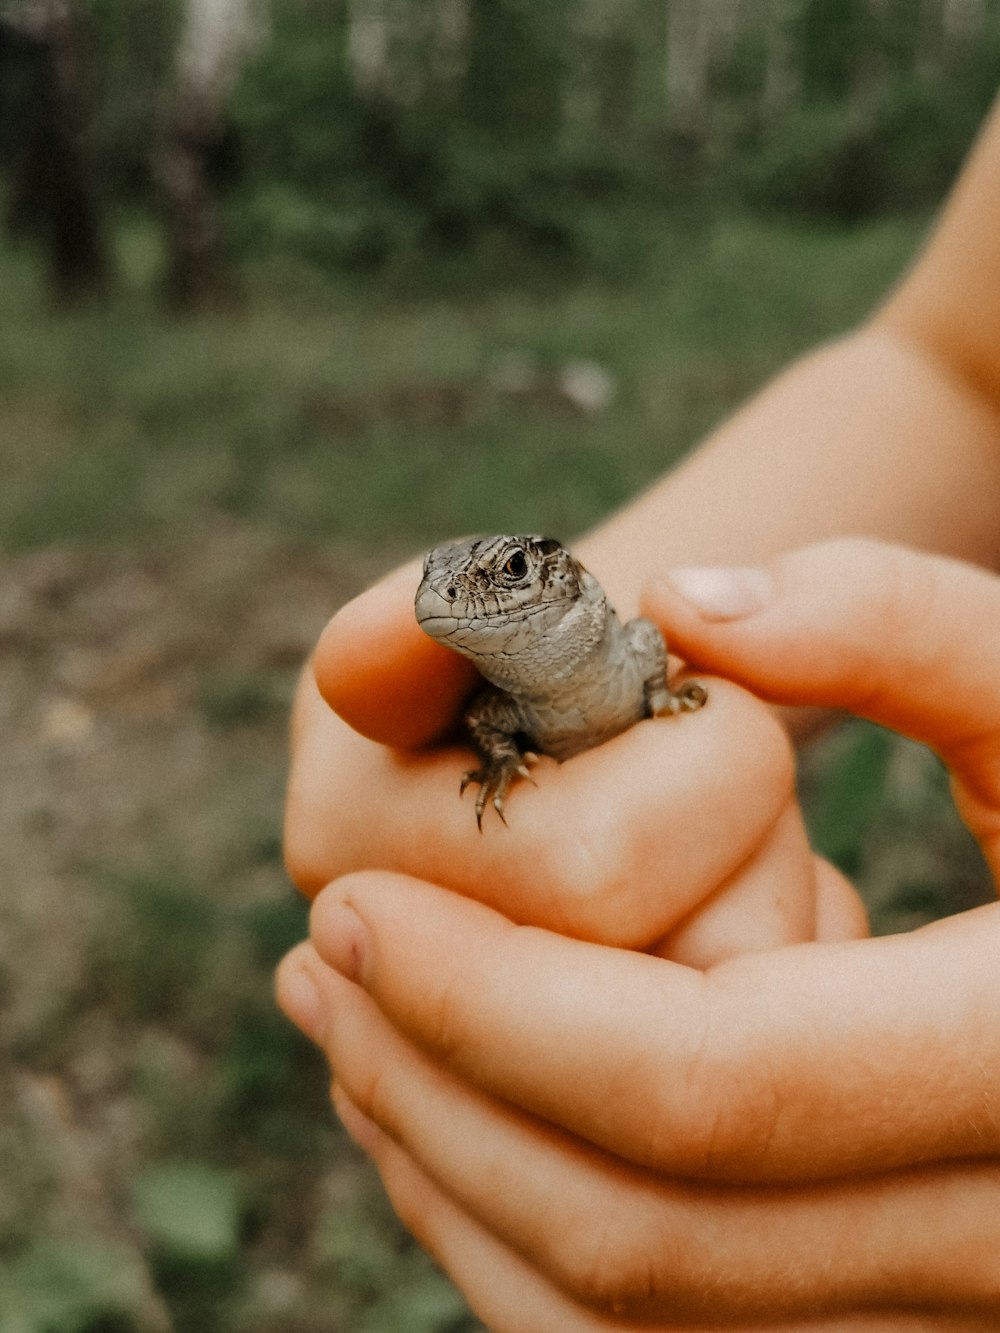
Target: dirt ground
pixel 142 703
pixel 168 1155
pixel 143 708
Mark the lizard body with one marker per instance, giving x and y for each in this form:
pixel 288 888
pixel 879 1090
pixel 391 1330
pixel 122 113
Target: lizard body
pixel 565 674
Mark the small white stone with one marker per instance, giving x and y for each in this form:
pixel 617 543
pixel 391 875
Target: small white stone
pixel 67 721
pixel 589 386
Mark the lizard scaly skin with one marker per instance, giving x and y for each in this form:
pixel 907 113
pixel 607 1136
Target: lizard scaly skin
pixel 565 674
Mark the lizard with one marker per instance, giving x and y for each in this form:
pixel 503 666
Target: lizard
pixel 564 673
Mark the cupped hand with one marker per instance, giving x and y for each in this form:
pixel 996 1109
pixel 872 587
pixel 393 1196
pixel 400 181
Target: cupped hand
pixel 594 1139
pixel 666 838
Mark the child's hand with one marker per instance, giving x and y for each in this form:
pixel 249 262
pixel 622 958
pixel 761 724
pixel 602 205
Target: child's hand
pixel 908 640
pixel 623 844
pixel 595 1140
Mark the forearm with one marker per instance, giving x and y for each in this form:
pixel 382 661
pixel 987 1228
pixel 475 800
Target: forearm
pixel 872 435
pixel 893 432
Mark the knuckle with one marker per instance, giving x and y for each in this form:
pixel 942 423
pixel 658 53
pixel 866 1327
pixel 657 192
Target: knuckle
pixel 445 1024
pixel 410 1203
pixel 320 840
pixel 621 846
pixel 739 1127
pixel 899 594
pixel 599 899
pixel 604 1268
pixel 415 1202
pixel 305 863
pixel 649 1266
pixel 578 883
pixel 367 1089
pixel 725 1121
pixel 898 588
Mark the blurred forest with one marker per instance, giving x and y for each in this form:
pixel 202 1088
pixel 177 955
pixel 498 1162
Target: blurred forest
pixel 289 291
pixel 373 135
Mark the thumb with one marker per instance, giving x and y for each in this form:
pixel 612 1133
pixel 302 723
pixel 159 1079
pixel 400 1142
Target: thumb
pixel 908 640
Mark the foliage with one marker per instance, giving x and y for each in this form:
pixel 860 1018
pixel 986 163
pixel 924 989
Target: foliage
pixel 328 411
pixel 889 156
pixel 132 48
pixel 878 807
pixel 184 502
pixel 474 140
pixel 477 165
pixel 190 1211
pixel 551 137
pixel 73 1286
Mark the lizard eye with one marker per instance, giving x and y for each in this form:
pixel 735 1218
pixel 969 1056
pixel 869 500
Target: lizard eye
pixel 516 565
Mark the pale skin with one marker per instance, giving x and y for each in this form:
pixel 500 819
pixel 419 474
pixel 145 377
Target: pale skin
pixel 597 1088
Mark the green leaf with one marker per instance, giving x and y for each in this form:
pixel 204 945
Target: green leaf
pixel 65 1286
pixel 191 1210
pixel 426 1303
pixel 839 812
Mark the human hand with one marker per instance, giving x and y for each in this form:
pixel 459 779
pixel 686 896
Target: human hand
pixel 592 1139
pixel 681 836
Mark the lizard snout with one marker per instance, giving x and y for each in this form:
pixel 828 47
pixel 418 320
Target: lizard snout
pixel 434 610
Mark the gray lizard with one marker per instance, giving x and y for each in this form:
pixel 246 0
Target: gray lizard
pixel 565 674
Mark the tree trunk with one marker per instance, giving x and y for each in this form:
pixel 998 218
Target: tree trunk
pixel 781 89
pixel 368 42
pixel 53 198
pixel 408 53
pixel 216 37
pixel 699 32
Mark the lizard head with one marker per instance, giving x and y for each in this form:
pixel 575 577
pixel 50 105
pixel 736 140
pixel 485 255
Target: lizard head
pixel 497 597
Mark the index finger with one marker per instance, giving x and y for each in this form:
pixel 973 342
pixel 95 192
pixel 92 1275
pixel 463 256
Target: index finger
pixel 380 672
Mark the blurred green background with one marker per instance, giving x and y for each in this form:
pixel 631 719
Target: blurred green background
pixel 286 293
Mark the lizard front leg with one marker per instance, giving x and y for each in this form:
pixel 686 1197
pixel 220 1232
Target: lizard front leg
pixel 651 650
pixel 494 723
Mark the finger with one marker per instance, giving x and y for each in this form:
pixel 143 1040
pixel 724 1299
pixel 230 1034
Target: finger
pixel 612 845
pixel 782 895
pixel 811 1061
pixel 623 1242
pixel 505 1291
pixel 841 914
pixel 906 639
pixel 573 874
pixel 377 669
pixel 770 901
pixel 509 1293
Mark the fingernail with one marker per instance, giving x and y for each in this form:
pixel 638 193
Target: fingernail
pixel 723 594
pixel 300 1000
pixel 342 941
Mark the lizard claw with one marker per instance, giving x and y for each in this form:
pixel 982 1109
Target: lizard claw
pixel 494 781
pixel 689 696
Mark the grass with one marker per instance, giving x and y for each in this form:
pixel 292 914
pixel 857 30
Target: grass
pixel 183 502
pixel 344 414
